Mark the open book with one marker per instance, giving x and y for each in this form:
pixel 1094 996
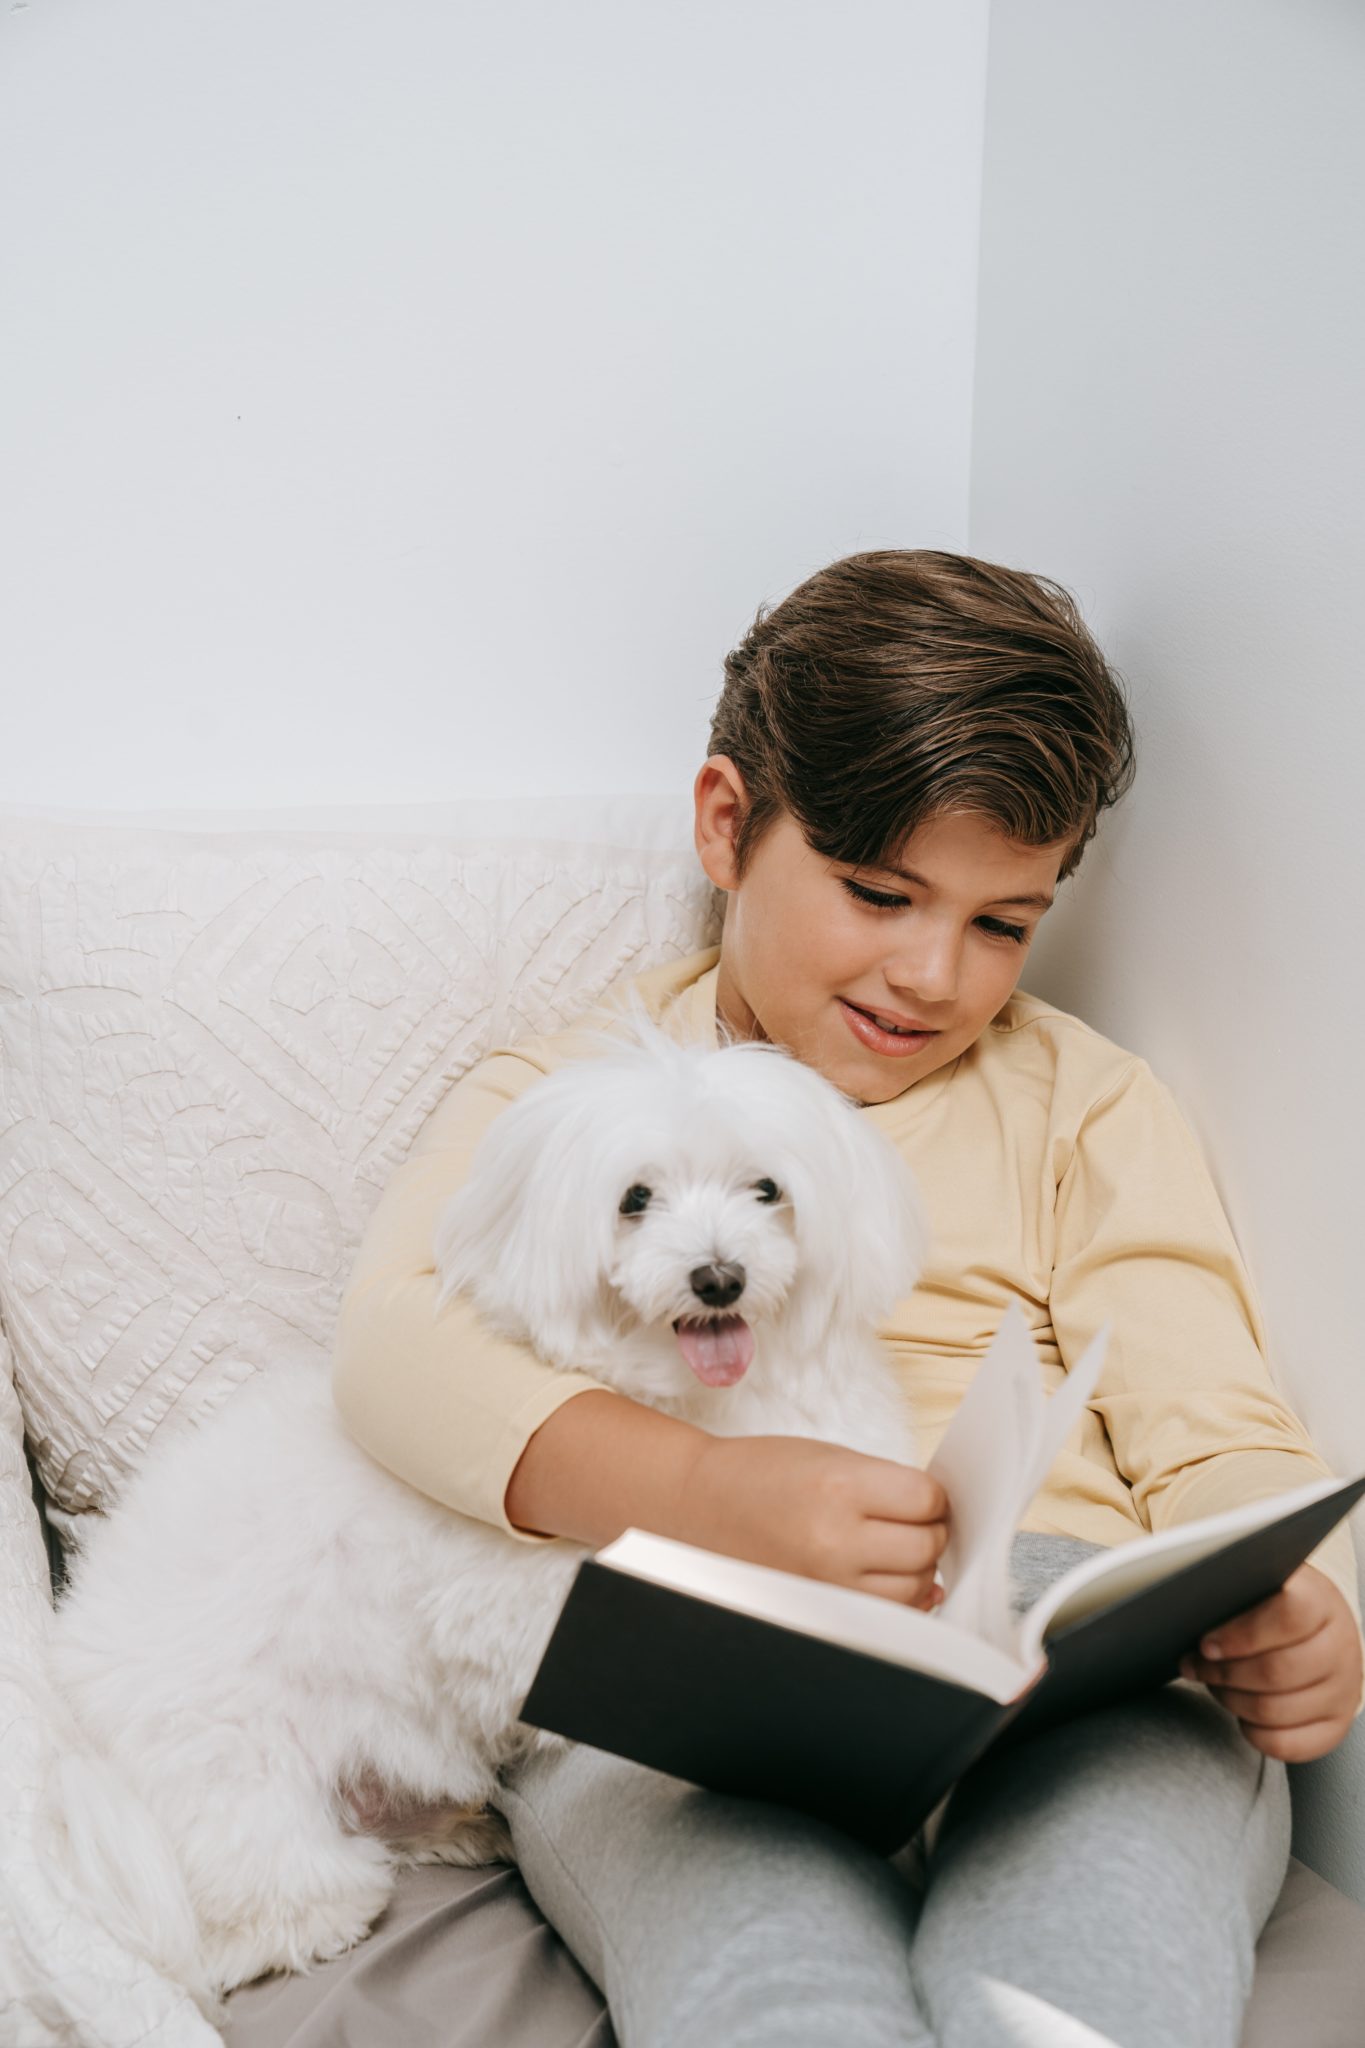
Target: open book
pixel 863 1711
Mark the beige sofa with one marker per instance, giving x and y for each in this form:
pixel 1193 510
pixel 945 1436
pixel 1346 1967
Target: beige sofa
pixel 219 1034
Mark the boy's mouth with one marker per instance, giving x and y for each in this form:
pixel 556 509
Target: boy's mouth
pixel 891 1020
pixel 719 1349
pixel 882 1032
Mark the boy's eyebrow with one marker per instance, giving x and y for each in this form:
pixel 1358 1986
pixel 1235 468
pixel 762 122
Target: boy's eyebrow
pixel 1035 902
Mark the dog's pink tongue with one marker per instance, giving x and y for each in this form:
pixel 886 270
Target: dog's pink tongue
pixel 718 1352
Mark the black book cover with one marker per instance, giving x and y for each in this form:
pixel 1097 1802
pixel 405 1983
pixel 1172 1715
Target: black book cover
pixel 754 1708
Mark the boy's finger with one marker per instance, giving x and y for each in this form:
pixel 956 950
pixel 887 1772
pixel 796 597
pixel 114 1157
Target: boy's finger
pixel 1259 1633
pixel 1297 1745
pixel 909 1591
pixel 1280 1670
pixel 1280 1709
pixel 1277 1624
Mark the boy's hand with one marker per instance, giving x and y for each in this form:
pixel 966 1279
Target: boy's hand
pixel 817 1509
pixel 1290 1669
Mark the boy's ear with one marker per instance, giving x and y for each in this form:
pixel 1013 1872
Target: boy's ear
pixel 719 801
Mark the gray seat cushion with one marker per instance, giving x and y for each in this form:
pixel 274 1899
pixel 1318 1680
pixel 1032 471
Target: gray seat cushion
pixel 457 1959
pixel 462 1959
pixel 1310 1969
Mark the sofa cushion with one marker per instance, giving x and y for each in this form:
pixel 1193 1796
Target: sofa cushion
pixel 218 1041
pixel 464 1957
pixel 1309 1987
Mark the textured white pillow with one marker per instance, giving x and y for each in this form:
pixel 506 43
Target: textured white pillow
pixel 218 1044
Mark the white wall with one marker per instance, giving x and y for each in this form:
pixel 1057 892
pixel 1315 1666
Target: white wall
pixel 411 402
pixel 1170 418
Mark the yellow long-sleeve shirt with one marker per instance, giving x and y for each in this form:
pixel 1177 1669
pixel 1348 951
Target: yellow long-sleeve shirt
pixel 1057 1172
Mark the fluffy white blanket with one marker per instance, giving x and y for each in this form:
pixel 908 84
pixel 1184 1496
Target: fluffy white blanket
pixel 63 1983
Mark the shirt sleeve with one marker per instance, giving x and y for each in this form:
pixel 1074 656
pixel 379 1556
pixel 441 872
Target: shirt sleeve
pixel 1195 1421
pixel 431 1393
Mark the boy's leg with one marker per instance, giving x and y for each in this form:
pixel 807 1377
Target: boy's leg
pixel 1115 1871
pixel 708 1920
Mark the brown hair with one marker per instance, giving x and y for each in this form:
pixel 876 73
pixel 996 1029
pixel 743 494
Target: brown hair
pixel 900 684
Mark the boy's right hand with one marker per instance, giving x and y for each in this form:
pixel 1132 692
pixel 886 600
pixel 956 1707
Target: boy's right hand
pixel 819 1510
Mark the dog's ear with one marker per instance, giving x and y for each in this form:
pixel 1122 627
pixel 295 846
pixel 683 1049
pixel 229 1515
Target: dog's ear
pixel 530 1233
pixel 862 1231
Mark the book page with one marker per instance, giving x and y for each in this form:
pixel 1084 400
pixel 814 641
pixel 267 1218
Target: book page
pixel 994 1456
pixel 859 1621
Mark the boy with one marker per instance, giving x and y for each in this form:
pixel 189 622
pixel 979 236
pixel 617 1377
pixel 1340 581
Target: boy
pixel 908 755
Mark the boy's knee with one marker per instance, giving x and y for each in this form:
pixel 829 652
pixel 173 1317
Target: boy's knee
pixel 1166 1761
pixel 1180 1751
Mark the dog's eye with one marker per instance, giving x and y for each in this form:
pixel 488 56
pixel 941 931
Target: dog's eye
pixel 635 1199
pixel 767 1191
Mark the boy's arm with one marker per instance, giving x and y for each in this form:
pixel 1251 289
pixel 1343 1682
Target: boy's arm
pixel 1195 1420
pixel 793 1503
pixel 431 1393
pixel 600 1465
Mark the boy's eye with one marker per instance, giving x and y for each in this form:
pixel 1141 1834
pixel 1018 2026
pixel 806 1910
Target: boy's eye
pixel 874 896
pixel 767 1191
pixel 996 927
pixel 635 1199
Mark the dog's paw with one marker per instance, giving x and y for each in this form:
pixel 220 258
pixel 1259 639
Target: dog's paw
pixel 483 1838
pixel 294 1937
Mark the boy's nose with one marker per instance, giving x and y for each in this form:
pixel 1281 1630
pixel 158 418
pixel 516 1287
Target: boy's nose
pixel 931 974
pixel 718 1285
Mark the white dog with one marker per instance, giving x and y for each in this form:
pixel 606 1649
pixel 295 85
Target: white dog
pixel 293 1672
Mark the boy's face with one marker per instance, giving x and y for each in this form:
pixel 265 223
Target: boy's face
pixel 802 956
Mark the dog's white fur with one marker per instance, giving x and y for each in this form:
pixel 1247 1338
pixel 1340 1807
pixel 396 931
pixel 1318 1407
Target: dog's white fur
pixel 293 1671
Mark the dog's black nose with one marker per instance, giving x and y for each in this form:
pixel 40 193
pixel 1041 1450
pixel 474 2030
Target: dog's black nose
pixel 718 1285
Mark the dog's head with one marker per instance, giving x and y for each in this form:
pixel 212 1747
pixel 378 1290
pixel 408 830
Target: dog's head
pixel 642 1212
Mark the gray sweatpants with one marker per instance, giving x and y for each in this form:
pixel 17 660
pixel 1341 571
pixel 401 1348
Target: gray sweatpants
pixel 1101 1883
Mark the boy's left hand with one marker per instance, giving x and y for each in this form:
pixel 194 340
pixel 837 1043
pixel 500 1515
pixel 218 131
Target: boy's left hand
pixel 1290 1669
